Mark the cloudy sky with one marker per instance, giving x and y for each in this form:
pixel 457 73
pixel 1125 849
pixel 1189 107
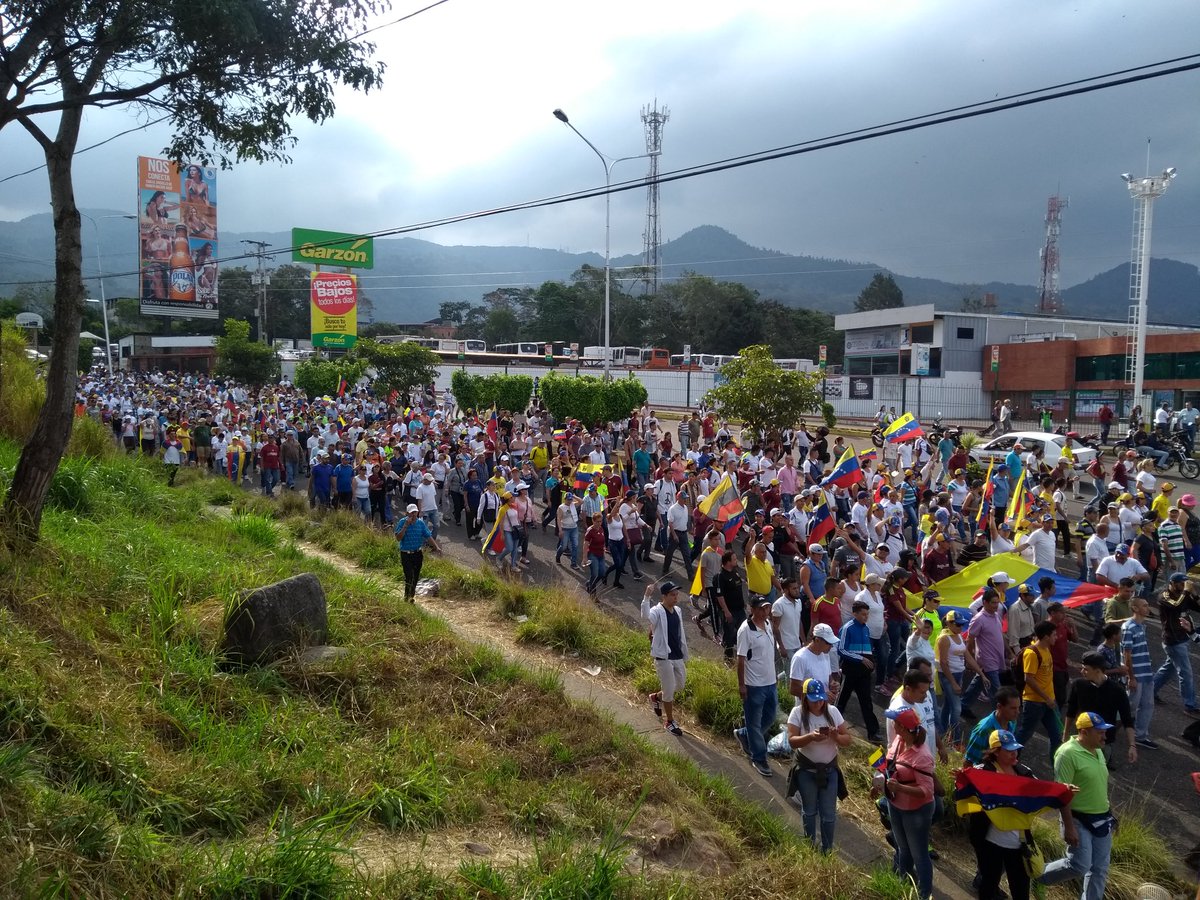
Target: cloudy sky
pixel 464 123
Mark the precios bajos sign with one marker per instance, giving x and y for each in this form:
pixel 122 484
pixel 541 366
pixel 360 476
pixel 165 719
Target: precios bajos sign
pixel 332 248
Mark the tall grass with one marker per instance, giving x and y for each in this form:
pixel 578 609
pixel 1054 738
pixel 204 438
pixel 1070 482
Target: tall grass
pixel 22 392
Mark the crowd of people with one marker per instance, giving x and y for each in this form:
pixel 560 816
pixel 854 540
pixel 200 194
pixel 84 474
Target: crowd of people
pixel 807 584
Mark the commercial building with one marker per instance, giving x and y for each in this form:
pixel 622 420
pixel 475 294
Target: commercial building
pixel 930 361
pixel 168 353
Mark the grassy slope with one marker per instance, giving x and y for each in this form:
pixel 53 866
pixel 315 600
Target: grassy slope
pixel 131 766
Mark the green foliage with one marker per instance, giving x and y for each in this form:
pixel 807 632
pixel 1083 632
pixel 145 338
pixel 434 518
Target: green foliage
pixel 829 415
pixel 84 355
pixel 398 367
pixel 881 293
pixel 320 377
pixel 756 391
pixel 22 392
pixel 238 357
pixel 511 392
pixel 590 399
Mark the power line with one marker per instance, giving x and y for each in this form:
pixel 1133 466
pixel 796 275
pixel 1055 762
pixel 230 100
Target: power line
pixel 403 18
pixel 92 146
pixel 956 114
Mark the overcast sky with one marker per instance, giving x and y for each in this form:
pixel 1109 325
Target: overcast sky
pixel 464 123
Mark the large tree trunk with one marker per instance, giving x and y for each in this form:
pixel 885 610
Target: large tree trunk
pixel 44 449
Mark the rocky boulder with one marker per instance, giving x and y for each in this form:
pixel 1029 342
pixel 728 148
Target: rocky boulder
pixel 273 621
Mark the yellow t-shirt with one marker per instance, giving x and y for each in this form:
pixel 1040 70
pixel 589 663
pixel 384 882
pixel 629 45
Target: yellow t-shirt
pixel 1039 669
pixel 758 575
pixel 1159 507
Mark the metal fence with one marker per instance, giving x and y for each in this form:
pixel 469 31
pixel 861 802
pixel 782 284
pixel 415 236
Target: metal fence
pixel 860 397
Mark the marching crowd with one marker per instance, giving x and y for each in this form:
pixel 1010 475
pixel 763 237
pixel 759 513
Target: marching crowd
pixel 799 558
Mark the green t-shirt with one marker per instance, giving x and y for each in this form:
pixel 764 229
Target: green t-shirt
pixel 1086 769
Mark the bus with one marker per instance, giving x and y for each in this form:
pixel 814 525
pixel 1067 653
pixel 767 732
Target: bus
pixel 654 358
pixel 703 362
pixel 795 365
pixel 519 348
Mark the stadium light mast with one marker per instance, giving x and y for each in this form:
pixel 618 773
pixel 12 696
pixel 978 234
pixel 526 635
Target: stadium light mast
pixel 1144 191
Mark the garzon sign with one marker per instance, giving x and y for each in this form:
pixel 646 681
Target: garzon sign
pixel 333 308
pixel 333 248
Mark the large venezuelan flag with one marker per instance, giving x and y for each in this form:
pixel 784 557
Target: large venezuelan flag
pixel 961 588
pixel 905 428
pixel 821 523
pixel 585 474
pixel 846 473
pixel 1011 802
pixel 723 503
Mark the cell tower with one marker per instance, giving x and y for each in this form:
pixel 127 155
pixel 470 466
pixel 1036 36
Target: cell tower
pixel 653 119
pixel 1049 298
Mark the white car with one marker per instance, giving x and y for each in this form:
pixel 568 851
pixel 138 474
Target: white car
pixel 1050 444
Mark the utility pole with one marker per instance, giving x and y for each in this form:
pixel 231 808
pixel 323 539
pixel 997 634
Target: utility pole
pixel 261 278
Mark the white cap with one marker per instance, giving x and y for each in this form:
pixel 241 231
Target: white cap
pixel 1001 577
pixel 411 508
pixel 825 633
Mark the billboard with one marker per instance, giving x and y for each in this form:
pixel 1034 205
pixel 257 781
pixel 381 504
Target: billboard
pixel 333 304
pixel 177 239
pixel 332 248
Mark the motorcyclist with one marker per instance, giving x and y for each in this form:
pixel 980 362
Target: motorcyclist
pixel 1150 444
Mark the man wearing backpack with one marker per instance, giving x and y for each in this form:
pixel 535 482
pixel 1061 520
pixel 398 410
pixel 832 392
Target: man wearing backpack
pixel 1039 707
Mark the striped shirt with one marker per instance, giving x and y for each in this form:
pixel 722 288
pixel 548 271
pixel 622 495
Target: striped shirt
pixel 1133 641
pixel 1171 536
pixel 854 641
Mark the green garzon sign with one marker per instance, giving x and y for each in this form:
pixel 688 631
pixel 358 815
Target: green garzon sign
pixel 332 248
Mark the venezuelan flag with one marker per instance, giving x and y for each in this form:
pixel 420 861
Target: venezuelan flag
pixel 342 385
pixel 1011 802
pixel 821 523
pixel 697 587
pixel 585 474
pixel 876 760
pixel 560 434
pixel 960 589
pixel 723 503
pixel 846 473
pixel 494 541
pixel 905 428
pixel 985 507
pixel 868 455
pixel 730 527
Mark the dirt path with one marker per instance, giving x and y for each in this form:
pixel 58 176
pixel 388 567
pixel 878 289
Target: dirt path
pixel 859 841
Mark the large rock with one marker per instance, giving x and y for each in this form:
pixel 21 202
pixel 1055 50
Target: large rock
pixel 275 620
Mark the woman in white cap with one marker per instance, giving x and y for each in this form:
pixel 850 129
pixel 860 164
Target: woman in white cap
pixel 816 731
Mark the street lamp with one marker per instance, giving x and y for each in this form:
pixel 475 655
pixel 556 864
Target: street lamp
pixel 608 162
pixel 100 278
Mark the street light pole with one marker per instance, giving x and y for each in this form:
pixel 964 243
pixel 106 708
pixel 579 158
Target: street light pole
pixel 608 162
pixel 100 278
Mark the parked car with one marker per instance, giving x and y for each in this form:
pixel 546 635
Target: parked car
pixel 1050 444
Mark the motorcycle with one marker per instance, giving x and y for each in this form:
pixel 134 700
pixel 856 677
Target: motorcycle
pixel 1088 440
pixel 1178 456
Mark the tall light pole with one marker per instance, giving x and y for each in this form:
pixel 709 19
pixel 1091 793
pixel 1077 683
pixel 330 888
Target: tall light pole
pixel 100 278
pixel 608 162
pixel 261 279
pixel 1144 191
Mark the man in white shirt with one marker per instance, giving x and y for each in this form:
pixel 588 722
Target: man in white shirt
pixel 815 660
pixel 858 518
pixel 677 534
pixel 756 684
pixel 878 562
pixel 1120 565
pixel 786 621
pixel 1096 550
pixel 1043 543
pixel 1002 539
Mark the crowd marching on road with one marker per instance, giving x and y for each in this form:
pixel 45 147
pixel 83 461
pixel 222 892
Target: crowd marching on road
pixel 821 574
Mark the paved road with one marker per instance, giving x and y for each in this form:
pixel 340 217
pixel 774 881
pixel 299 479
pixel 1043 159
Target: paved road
pixel 1159 785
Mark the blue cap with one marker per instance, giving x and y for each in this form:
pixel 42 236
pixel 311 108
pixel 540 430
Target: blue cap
pixel 814 689
pixel 1090 720
pixel 1004 740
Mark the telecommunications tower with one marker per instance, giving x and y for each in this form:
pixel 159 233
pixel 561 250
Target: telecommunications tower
pixel 1049 297
pixel 653 119
pixel 1143 191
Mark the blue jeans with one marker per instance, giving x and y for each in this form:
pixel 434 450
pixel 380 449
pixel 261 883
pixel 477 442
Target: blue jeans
pixel 1089 860
pixel 363 504
pixel 950 711
pixel 290 469
pixel 617 550
pixel 596 570
pixel 759 708
pixel 1180 663
pixel 432 519
pixel 1141 703
pixel 819 801
pixel 879 651
pixel 569 542
pixel 270 478
pixel 972 690
pixel 512 547
pixel 910 830
pixel 1033 714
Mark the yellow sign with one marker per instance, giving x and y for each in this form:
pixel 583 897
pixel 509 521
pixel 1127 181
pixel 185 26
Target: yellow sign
pixel 334 307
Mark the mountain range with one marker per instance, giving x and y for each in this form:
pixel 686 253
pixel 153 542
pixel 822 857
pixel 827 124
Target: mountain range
pixel 412 276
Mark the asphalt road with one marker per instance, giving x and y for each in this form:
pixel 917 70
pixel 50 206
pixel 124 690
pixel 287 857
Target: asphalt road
pixel 1159 786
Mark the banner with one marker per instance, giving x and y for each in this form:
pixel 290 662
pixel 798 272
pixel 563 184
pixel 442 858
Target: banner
pixel 177 239
pixel 332 248
pixel 334 308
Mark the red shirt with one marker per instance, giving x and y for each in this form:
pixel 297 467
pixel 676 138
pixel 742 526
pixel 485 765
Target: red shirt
pixel 1063 635
pixel 595 540
pixel 829 612
pixel 269 456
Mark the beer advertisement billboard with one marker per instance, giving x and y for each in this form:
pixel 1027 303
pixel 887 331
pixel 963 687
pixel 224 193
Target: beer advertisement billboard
pixel 177 239
pixel 334 308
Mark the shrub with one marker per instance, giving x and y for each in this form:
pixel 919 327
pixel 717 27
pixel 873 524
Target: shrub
pixel 22 392
pixel 91 439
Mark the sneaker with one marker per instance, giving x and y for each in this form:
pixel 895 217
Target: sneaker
pixel 763 769
pixel 656 704
pixel 740 734
pixel 637 576
pixel 673 728
pixel 1147 743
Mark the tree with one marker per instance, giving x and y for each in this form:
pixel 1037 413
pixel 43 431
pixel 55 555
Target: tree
pixel 230 75
pixel 590 399
pixel 398 367
pixel 321 377
pixel 452 312
pixel 881 293
pixel 501 326
pixel 767 398
pixel 246 360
